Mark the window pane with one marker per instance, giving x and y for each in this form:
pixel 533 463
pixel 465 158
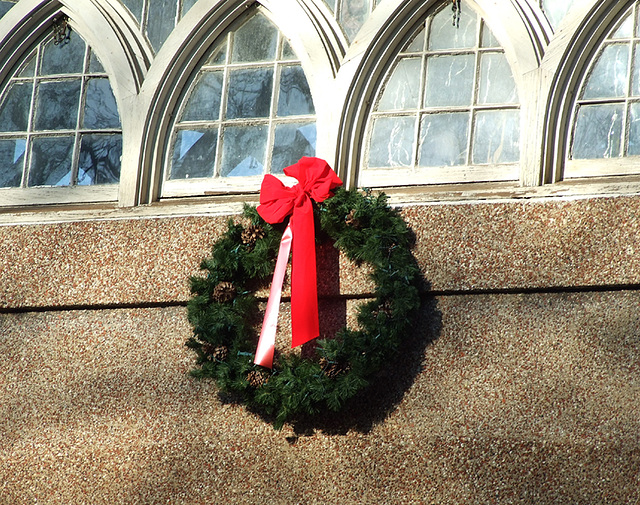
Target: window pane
pixel 99 159
pixel 496 137
pixel 392 142
pixel 14 111
pixel 295 96
pixel 194 153
pixel 249 93
pixel 450 80
pixel 94 64
pixel 609 76
pixel 256 40
pixel 417 44
pixel 403 88
pixel 244 150
pixel 496 82
pixel 135 6
pixel 598 131
pixel 4 7
pixel 634 129
pixel 161 20
pixel 65 58
pixel 186 6
pixel 353 14
pixel 625 29
pixel 204 101
pixel 11 162
pixel 444 35
pixel 51 161
pixel 556 10
pixel 57 107
pixel 287 51
pixel 101 110
pixel 443 139
pixel 29 69
pixel 635 86
pixel 219 55
pixel 488 39
pixel 292 142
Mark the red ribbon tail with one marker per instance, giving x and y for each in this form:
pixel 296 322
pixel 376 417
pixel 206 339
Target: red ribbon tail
pixel 305 325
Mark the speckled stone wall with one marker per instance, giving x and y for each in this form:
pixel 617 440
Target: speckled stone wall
pixel 520 385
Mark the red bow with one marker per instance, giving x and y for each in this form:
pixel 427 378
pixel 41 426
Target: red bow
pixel 277 201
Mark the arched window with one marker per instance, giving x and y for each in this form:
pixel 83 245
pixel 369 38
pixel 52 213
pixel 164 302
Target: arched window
pixel 59 122
pixel 606 116
pixel 158 18
pixel 556 11
pixel 247 111
pixel 351 14
pixel 448 110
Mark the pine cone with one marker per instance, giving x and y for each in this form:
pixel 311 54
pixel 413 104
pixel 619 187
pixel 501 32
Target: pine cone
pixel 251 235
pixel 220 353
pixel 257 378
pixel 351 220
pixel 224 292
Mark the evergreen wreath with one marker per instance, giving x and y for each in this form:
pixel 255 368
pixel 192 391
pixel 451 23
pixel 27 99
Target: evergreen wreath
pixel 223 310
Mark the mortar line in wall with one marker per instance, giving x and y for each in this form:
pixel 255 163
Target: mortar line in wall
pixel 427 294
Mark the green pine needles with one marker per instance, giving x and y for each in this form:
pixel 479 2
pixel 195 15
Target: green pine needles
pixel 225 316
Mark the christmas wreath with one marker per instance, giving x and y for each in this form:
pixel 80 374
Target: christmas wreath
pixel 224 308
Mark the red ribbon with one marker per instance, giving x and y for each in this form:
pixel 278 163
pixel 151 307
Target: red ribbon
pixel 316 180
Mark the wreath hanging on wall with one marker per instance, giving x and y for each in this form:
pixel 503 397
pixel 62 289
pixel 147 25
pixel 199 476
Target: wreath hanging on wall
pixel 223 310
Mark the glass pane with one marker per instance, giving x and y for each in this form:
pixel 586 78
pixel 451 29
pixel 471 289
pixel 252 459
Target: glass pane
pixel 295 96
pixel 244 150
pixel 635 85
pixel 29 69
pixel 417 44
pixel 194 153
pixel 4 7
pixel 331 4
pixel 625 28
pixel 249 93
pixel 496 81
pixel 403 88
pixel 609 76
pixel 95 67
pixel 219 55
pixel 443 139
pixel 292 142
pixel 287 51
pixel 51 161
pixel 100 110
pixel 256 40
pixel 161 20
pixel 11 162
pixel 99 159
pixel 450 80
pixel 598 131
pixel 556 10
pixel 14 110
pixel 67 58
pixel 353 14
pixel 488 39
pixel 186 6
pixel 496 137
pixel 392 142
pixel 634 129
pixel 204 101
pixel 57 105
pixel 135 6
pixel 444 35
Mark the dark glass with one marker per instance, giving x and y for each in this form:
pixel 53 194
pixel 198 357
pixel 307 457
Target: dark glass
pixel 57 105
pixel 295 96
pixel 65 58
pixel 244 150
pixel 292 142
pixel 100 110
pixel 11 161
pixel 194 153
pixel 204 101
pixel 99 159
pixel 51 161
pixel 249 93
pixel 161 20
pixel 14 110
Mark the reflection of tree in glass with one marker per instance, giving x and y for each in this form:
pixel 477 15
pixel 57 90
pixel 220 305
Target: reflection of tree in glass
pixel 295 96
pixel 101 110
pixel 249 93
pixel 51 161
pixel 100 159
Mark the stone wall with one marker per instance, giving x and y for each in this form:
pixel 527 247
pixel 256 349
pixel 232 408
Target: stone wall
pixel 521 383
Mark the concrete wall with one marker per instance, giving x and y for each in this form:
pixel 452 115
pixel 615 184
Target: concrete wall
pixel 521 383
